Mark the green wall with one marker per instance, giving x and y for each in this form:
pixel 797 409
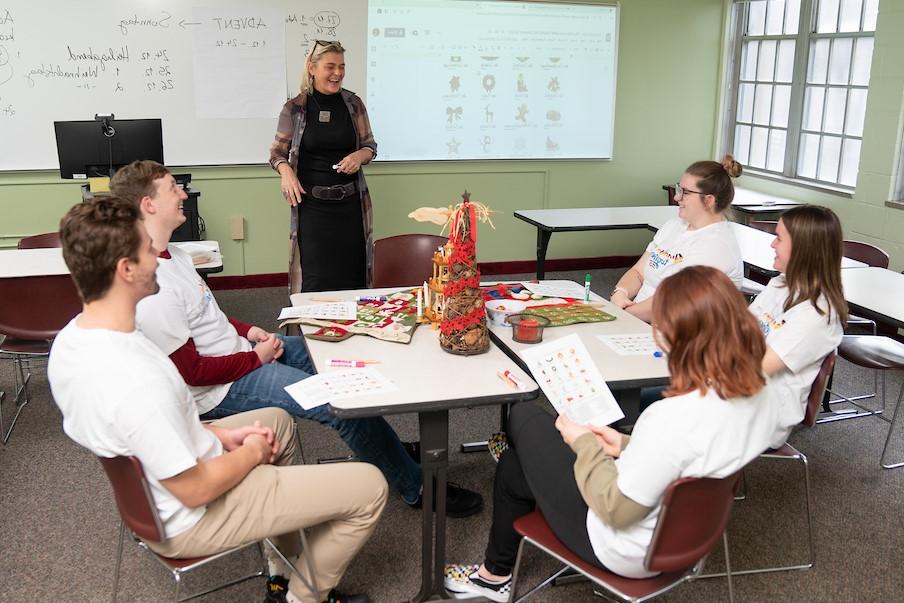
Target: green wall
pixel 666 107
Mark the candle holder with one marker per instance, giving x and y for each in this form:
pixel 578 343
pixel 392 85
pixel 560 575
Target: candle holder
pixel 528 328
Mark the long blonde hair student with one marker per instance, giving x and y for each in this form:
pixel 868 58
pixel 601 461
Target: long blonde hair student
pixel 814 268
pixel 319 49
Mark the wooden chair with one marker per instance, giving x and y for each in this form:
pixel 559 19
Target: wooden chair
pixel 138 513
pixel 33 309
pixel 693 516
pixel 404 260
pixel 40 241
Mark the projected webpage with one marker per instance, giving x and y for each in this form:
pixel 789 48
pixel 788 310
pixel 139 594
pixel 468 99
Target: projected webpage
pixel 491 80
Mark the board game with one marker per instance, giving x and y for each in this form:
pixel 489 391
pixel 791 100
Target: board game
pixel 569 314
pixel 392 320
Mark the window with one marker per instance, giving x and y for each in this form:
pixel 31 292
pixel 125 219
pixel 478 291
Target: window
pixel 800 81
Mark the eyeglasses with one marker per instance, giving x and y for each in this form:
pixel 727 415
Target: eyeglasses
pixel 335 43
pixel 680 190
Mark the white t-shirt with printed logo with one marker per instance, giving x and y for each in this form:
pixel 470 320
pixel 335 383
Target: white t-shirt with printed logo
pixel 185 308
pixel 682 436
pixel 801 337
pixel 120 396
pixel 675 247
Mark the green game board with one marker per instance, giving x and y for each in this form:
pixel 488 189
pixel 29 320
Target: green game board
pixel 559 316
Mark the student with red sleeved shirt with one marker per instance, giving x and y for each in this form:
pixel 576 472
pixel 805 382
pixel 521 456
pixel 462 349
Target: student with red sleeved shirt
pixel 232 367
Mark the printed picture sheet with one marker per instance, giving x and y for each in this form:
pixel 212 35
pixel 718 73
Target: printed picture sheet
pixel 330 386
pixel 568 289
pixel 329 311
pixel 571 381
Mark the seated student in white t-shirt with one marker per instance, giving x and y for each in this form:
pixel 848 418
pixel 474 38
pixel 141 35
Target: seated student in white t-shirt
pixel 214 486
pixel 802 311
pixel 600 491
pixel 700 236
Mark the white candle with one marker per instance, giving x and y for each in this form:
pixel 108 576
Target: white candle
pixel 420 303
pixel 426 295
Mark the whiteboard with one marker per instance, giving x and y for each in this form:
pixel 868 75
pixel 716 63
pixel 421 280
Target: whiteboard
pixel 140 58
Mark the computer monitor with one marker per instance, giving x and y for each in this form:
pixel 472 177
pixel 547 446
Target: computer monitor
pixel 94 148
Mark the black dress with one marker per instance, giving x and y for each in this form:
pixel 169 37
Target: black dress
pixel 330 233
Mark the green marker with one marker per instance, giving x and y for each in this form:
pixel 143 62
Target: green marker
pixel 587 287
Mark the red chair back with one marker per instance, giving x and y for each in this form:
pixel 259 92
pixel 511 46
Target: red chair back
pixel 133 497
pixel 694 513
pixel 404 259
pixel 764 225
pixel 818 389
pixel 37 307
pixel 866 253
pixel 40 241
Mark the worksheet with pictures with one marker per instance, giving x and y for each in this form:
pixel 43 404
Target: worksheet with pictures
pixel 571 381
pixel 339 385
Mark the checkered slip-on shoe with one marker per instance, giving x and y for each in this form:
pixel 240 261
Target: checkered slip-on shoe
pixel 497 444
pixel 462 581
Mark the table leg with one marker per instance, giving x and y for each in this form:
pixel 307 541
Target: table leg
pixel 542 245
pixel 434 432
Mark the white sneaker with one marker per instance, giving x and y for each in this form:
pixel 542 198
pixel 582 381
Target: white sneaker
pixel 462 581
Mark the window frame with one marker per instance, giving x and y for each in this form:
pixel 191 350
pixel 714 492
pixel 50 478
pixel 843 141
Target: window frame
pixel 805 38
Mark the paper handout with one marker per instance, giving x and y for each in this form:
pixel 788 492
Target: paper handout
pixel 571 381
pixel 330 386
pixel 329 311
pixel 632 345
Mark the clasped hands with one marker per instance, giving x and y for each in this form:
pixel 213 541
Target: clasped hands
pixel 607 438
pixel 259 438
pixel 268 346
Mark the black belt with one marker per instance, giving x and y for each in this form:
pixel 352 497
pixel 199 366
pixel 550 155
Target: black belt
pixel 333 193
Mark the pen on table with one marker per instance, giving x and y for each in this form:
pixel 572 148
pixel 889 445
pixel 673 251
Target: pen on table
pixel 657 354
pixel 367 298
pixel 341 362
pixel 587 287
pixel 513 380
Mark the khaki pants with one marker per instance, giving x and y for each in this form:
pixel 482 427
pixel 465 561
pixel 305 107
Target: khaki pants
pixel 340 503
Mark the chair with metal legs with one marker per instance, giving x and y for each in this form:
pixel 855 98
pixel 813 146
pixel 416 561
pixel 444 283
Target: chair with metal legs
pixel 788 452
pixel 693 517
pixel 139 515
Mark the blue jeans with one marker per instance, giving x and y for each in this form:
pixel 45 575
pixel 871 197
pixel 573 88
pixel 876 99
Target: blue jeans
pixel 371 439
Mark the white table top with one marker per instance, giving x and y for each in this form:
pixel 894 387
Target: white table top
pixel 877 290
pixel 619 371
pixel 212 248
pixel 32 262
pixel 599 218
pixel 746 197
pixel 756 249
pixel 428 378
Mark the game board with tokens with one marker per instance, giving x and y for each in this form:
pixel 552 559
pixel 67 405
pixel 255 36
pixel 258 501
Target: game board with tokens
pixel 560 311
pixel 391 320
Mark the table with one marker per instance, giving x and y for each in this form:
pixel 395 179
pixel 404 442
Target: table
pixel 757 252
pixel 212 248
pixel 548 221
pixel 422 371
pixel 875 293
pixel 625 375
pixel 32 262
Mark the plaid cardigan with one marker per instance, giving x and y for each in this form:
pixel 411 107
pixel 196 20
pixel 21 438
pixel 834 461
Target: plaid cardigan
pixel 289 129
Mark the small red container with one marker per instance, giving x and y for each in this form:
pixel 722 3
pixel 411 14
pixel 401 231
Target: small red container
pixel 528 328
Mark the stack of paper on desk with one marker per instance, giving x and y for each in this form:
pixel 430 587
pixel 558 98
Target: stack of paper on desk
pixel 329 311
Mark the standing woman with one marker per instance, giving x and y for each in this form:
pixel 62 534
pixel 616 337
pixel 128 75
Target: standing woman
pixel 601 491
pixel 801 311
pixel 323 137
pixel 700 235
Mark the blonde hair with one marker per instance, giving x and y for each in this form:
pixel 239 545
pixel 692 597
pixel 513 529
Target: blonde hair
pixel 320 48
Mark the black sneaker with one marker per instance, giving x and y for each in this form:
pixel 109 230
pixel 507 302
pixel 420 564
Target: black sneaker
pixel 460 502
pixel 336 597
pixel 277 587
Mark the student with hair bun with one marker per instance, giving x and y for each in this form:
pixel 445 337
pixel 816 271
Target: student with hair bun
pixel 700 235
pixel 601 491
pixel 802 311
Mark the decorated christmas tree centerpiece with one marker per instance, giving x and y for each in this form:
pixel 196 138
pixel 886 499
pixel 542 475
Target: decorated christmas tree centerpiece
pixel 463 326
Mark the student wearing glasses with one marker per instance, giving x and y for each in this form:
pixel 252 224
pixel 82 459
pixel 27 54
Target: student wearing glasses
pixel 600 491
pixel 323 137
pixel 801 311
pixel 700 235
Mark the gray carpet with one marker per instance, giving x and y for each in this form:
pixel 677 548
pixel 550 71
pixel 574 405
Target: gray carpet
pixel 58 522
